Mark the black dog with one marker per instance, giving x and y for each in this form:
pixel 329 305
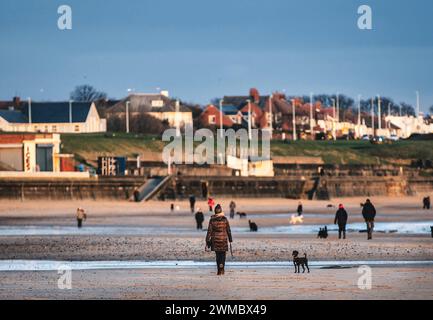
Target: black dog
pixel 300 261
pixel 253 226
pixel 323 233
pixel 242 215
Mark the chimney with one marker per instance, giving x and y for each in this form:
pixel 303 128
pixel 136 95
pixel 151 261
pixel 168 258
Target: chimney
pixel 16 101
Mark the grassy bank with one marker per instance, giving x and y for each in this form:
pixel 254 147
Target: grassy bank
pixel 90 146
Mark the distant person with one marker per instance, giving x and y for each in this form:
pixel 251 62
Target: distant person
pixel 217 237
pixel 426 203
pixel 192 202
pixel 232 209
pixel 199 218
pixel 369 213
pixel 211 204
pixel 341 220
pixel 300 209
pixel 172 207
pixel 81 215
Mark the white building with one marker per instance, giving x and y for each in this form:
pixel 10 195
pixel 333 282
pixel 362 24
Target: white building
pixel 53 117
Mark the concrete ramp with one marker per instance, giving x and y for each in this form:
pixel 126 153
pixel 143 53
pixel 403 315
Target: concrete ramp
pixel 150 188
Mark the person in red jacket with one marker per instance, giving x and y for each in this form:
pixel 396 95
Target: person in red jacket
pixel 211 204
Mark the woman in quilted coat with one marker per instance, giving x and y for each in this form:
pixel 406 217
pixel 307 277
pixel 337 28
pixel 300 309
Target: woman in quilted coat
pixel 218 236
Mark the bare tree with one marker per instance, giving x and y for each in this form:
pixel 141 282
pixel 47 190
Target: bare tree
pixel 87 93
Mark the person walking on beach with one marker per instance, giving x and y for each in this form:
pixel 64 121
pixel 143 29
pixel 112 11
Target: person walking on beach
pixel 300 209
pixel 81 215
pixel 217 237
pixel 341 220
pixel 369 213
pixel 232 209
pixel 192 202
pixel 211 203
pixel 426 203
pixel 199 218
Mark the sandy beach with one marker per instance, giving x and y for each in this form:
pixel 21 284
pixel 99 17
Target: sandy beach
pixel 161 235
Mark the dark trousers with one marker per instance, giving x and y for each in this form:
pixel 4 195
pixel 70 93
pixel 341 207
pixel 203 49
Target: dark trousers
pixel 210 208
pixel 232 213
pixel 199 225
pixel 426 206
pixel 79 223
pixel 192 205
pixel 220 258
pixel 342 230
pixel 370 227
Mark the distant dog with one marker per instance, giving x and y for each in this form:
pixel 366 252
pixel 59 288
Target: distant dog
pixel 242 215
pixel 323 233
pixel 253 226
pixel 300 261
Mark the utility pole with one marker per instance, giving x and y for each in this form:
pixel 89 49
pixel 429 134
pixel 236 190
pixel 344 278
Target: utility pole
pixel 379 113
pixel 294 120
pixel 221 117
pixel 127 116
pixel 388 123
pixel 417 104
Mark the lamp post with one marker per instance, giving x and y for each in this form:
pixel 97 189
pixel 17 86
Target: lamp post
pixel 249 120
pixel 372 115
pixel 333 120
pixel 221 117
pixel 338 107
pixel 127 116
pixel 30 110
pixel 70 111
pixel 379 112
pixel 359 115
pixel 417 104
pixel 311 116
pixel 177 119
pixel 271 114
pixel 294 120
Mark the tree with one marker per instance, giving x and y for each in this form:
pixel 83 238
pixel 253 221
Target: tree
pixel 431 110
pixel 87 93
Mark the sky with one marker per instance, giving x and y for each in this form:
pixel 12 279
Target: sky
pixel 202 49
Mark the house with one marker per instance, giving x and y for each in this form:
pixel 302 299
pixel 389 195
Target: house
pixel 52 117
pixel 211 116
pixel 158 105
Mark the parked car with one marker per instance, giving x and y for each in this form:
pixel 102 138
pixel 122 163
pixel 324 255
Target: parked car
pixel 394 137
pixel 366 137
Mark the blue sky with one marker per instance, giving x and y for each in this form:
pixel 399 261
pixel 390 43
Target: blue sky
pixel 201 49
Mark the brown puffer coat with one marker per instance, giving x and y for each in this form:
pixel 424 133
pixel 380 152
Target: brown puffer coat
pixel 218 233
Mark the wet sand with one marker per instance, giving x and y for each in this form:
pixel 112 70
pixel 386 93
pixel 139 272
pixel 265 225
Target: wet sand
pixel 398 282
pixel 190 284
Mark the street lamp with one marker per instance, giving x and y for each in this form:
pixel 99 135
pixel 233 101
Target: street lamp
pixel 333 120
pixel 249 120
pixel 311 116
pixel 127 116
pixel 379 112
pixel 221 117
pixel 294 119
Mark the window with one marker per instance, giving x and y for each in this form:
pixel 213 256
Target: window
pixel 77 128
pixel 212 120
pixel 157 103
pixel 54 129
